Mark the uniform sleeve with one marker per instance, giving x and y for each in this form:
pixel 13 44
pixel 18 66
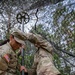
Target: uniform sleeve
pixel 39 41
pixel 31 72
pixel 3 64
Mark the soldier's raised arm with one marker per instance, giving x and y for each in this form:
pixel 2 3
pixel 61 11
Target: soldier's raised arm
pixel 39 41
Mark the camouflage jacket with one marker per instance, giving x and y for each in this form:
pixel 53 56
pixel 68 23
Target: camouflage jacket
pixel 43 59
pixel 7 68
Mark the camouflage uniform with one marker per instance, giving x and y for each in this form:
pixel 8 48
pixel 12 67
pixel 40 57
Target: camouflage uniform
pixel 5 67
pixel 8 59
pixel 43 60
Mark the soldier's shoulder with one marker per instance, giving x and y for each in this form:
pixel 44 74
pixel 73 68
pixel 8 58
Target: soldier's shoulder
pixel 4 47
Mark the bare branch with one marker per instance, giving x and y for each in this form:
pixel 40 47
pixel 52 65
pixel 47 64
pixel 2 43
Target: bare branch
pixel 36 17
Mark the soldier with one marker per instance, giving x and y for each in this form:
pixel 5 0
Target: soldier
pixel 43 60
pixel 8 58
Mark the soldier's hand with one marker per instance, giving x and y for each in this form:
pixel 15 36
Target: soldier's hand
pixel 23 46
pixel 23 68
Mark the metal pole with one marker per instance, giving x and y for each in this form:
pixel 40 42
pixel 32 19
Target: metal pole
pixel 23 24
pixel 22 51
pixel 22 18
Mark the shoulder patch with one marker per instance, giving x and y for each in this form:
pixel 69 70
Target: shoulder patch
pixel 7 58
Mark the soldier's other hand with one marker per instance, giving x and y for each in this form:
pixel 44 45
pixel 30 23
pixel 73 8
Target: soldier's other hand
pixel 23 46
pixel 23 68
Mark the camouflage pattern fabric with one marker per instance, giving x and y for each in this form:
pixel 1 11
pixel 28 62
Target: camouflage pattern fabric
pixel 7 68
pixel 43 60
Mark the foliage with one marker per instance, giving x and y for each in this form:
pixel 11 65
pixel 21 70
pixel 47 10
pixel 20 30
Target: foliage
pixel 64 30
